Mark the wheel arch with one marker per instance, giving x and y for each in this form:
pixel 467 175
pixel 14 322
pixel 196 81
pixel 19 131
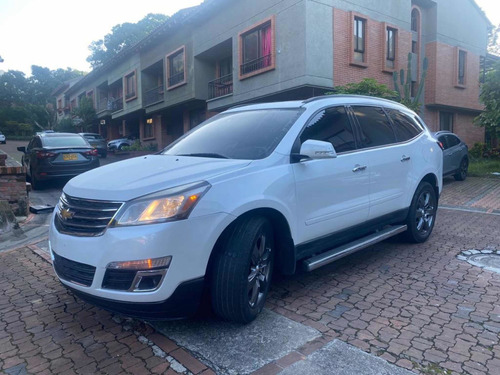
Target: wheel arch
pixel 286 259
pixel 432 179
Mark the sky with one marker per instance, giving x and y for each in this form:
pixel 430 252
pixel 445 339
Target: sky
pixel 57 33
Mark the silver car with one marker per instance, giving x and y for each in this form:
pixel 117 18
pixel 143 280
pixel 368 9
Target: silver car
pixel 455 155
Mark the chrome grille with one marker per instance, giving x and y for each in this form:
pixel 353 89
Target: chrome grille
pixel 84 217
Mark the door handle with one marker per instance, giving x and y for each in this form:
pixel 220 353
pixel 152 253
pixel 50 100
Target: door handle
pixel 405 158
pixel 359 168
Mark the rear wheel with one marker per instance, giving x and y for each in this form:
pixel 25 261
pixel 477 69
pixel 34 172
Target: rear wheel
pixel 241 275
pixel 35 182
pixel 462 172
pixel 422 214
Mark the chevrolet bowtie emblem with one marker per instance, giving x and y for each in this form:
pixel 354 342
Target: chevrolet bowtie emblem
pixel 66 214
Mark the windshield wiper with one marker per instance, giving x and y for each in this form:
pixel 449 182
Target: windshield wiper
pixel 205 155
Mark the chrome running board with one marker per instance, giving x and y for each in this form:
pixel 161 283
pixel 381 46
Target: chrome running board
pixel 329 256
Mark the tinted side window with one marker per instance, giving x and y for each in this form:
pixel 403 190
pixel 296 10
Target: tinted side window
pixel 404 127
pixel 331 125
pixel 375 127
pixel 452 140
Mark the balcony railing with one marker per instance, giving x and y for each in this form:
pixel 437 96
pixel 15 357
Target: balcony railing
pixel 176 79
pixel 115 105
pixel 220 87
pixel 257 64
pixel 153 96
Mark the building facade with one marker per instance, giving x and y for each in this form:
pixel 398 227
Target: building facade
pixel 224 53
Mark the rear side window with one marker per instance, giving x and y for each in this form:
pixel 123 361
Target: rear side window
pixel 70 141
pixel 452 140
pixel 404 126
pixel 375 128
pixel 444 141
pixel 331 125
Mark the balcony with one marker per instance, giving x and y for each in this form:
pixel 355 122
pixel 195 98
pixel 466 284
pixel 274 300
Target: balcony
pixel 220 87
pixel 115 105
pixel 176 79
pixel 255 65
pixel 153 96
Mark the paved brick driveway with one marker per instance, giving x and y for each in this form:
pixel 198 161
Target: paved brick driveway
pixel 417 306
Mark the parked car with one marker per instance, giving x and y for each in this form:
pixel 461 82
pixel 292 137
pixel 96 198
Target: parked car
pixel 57 155
pixel 45 131
pixel 2 138
pixel 455 155
pixel 98 142
pixel 254 190
pixel 119 144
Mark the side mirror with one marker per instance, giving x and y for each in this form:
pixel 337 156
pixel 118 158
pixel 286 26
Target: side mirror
pixel 312 150
pixel 22 149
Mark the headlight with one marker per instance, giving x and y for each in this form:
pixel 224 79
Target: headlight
pixel 167 205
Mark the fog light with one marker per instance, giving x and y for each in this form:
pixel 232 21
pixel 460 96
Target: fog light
pixel 145 264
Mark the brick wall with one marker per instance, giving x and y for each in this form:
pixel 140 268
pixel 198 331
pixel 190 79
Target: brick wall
pixel 344 71
pixel 441 87
pixel 13 185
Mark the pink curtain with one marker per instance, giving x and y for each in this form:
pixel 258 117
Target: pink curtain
pixel 266 46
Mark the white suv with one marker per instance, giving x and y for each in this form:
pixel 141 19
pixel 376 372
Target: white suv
pixel 252 191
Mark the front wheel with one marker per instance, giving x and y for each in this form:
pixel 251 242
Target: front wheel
pixel 241 274
pixel 462 172
pixel 422 214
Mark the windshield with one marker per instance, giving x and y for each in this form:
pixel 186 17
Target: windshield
pixel 75 141
pixel 238 135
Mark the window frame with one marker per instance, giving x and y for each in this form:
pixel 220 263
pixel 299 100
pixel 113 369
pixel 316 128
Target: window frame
pixel 168 58
pixel 271 22
pixel 353 47
pixel 461 80
pixel 125 85
pixel 452 117
pixel 151 126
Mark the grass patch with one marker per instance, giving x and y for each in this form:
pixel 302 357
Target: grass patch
pixel 484 167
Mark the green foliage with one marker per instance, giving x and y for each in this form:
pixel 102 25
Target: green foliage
pixel 136 146
pixel 484 167
pixel 490 97
pixel 494 41
pixel 122 36
pixel 477 151
pixel 369 87
pixel 406 99
pixel 66 126
pixel 15 128
pixel 85 113
pixel 29 100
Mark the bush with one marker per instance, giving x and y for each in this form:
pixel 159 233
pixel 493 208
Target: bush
pixel 477 151
pixel 14 128
pixel 136 146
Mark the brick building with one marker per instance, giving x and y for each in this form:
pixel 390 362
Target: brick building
pixel 227 52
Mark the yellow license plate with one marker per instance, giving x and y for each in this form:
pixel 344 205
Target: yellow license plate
pixel 67 157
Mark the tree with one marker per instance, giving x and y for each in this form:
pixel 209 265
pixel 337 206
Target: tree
pixel 490 97
pixel 369 87
pixel 494 41
pixel 122 36
pixel 85 113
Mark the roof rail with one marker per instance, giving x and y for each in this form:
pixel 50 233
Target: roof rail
pixel 316 98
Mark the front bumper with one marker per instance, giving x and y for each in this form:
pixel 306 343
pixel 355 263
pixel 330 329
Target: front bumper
pixel 189 243
pixel 183 303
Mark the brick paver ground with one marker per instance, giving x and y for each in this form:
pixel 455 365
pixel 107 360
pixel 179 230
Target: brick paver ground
pixel 414 305
pixel 480 194
pixel 45 330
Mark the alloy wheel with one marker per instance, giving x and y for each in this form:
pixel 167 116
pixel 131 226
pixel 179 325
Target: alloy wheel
pixel 425 212
pixel 260 267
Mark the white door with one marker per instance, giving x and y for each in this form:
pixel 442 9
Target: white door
pixel 332 194
pixel 390 161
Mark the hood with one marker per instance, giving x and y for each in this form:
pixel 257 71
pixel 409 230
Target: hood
pixel 143 175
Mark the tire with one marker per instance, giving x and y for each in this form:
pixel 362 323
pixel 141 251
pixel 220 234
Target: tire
pixel 422 214
pixel 104 155
pixel 35 183
pixel 248 250
pixel 462 171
